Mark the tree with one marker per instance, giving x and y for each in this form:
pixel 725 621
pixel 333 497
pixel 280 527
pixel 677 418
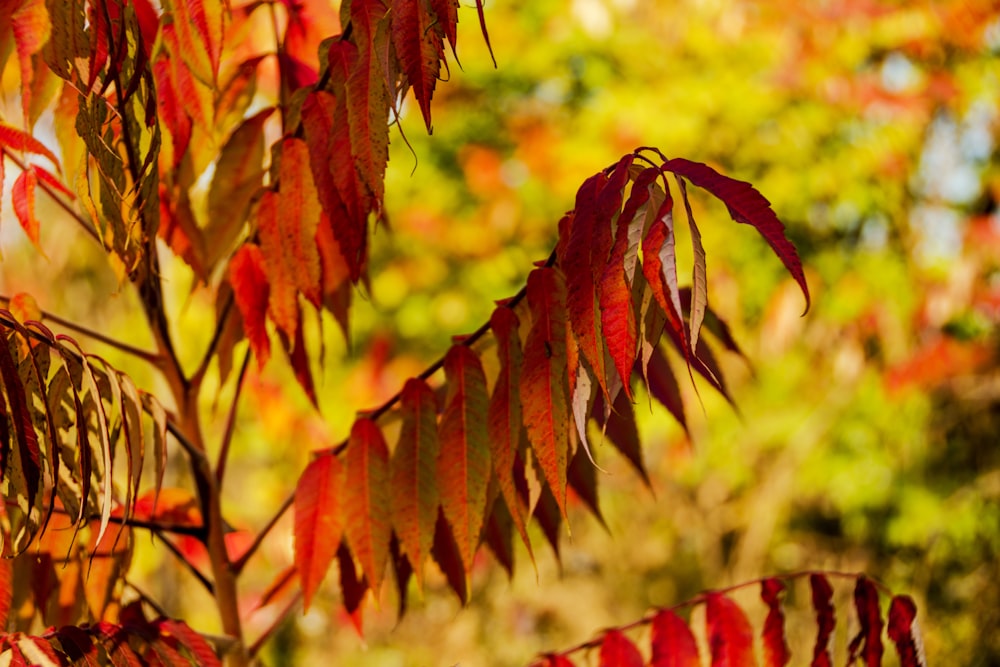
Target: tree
pixel 160 95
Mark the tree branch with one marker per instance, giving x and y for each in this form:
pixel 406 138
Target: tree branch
pixel 220 326
pixel 202 579
pixel 239 564
pixel 278 620
pixel 227 436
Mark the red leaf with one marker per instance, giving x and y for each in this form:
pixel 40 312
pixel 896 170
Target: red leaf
pixel 276 251
pixel 6 581
pixel 24 430
pixel 300 211
pixel 543 383
pixel 318 521
pixel 903 631
pixel 506 428
pixel 419 49
pixel 23 199
pixel 448 558
pixel 663 385
pixel 673 643
pixel 482 27
pixel 822 594
pixel 31 27
pixel 464 462
pixel 870 618
pixel 368 103
pixel 617 650
pixel 202 653
pixel 730 636
pixel 198 39
pixel 414 480
pixel 18 140
pixel 367 514
pixel 775 648
pixel 46 177
pixel 446 12
pixel 699 277
pixel 659 266
pixel 619 425
pixel 251 291
pixel 336 275
pixel 748 206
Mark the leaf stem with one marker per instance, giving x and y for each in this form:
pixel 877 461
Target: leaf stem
pixel 85 224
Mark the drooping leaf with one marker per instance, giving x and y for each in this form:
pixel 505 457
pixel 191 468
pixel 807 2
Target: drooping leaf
pixel 446 12
pixel 32 27
pixel 618 424
pixel 24 430
pixel 869 637
pixel 550 518
pixel 904 633
pixel 581 476
pixel 506 428
pixel 414 481
pixel 543 382
pixel 419 48
pixel 318 521
pixel 299 213
pixel 617 650
pixel 748 206
pixel 352 585
pixel 699 275
pixel 659 266
pixel 663 386
pixel 193 642
pixel 775 647
pixel 446 554
pixel 464 459
pixel 18 140
pixel 367 508
pixel 276 245
pixel 197 37
pixel 23 200
pixel 729 633
pixel 822 594
pixel 6 584
pixel 673 643
pixel 499 535
pixel 238 176
pixel 402 572
pixel 251 291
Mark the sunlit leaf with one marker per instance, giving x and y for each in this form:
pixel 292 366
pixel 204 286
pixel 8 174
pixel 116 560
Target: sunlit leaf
pixel 773 636
pixel 673 643
pixel 869 637
pixel 367 507
pixel 822 594
pixel 729 633
pixel 419 48
pixel 318 521
pixel 617 650
pixel 904 633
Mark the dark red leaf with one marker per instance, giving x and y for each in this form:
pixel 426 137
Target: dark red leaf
pixel 6 583
pixel 730 636
pixel 251 291
pixel 620 428
pixel 775 647
pixel 822 594
pixel 353 586
pixel 673 643
pixel 582 477
pixel 748 206
pixel 202 653
pixel 419 49
pixel 448 558
pixel 663 385
pixel 617 650
pixel 903 631
pixel 870 618
pixel 446 12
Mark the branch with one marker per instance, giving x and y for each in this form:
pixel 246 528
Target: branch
pixel 149 357
pixel 278 620
pixel 220 326
pixel 202 579
pixel 227 436
pixel 85 224
pixel 239 564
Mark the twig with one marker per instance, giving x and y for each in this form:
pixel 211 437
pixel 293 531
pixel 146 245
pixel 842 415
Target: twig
pixel 147 599
pixel 62 203
pixel 281 618
pixel 202 579
pixel 239 564
pixel 227 436
pixel 220 326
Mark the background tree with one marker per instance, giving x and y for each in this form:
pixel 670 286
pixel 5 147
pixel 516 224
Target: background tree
pixel 210 178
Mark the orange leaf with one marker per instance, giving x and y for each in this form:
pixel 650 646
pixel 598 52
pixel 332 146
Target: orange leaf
pixel 32 27
pixel 23 199
pixel 464 462
pixel 543 386
pixel 729 633
pixel 318 522
pixel 197 37
pixel 367 509
pixel 659 265
pixel 414 473
pixel 251 291
pixel 19 140
pixel 6 589
pixel 506 427
pixel 419 48
pixel 277 240
pixel 300 212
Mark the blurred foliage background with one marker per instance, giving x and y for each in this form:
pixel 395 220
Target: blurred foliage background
pixel 866 437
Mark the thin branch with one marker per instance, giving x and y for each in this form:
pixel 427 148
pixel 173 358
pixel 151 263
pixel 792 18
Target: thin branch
pixel 145 597
pixel 239 564
pixel 227 436
pixel 213 345
pixel 159 526
pixel 202 579
pixel 145 355
pixel 59 200
pixel 279 619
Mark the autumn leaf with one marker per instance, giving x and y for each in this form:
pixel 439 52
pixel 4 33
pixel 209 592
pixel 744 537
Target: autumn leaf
pixel 299 218
pixel 277 250
pixel 414 480
pixel 659 266
pixel 23 199
pixel 673 643
pixel 318 521
pixel 543 387
pixel 367 508
pixel 822 594
pixel 699 276
pixel 617 650
pixel 869 637
pixel 18 140
pixel 748 206
pixel 729 633
pixel 773 636
pixel 251 291
pixel 419 48
pixel 31 25
pixel 464 459
pixel 904 633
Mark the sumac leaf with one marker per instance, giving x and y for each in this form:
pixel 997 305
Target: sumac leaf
pixel 353 586
pixel 822 594
pixel 318 521
pixel 419 49
pixel 251 291
pixel 673 643
pixel 870 619
pixel 617 650
pixel 775 647
pixel 730 636
pixel 367 514
pixel 903 631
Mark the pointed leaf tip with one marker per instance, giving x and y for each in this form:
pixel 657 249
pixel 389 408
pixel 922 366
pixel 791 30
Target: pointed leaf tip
pixel 318 521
